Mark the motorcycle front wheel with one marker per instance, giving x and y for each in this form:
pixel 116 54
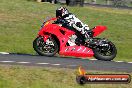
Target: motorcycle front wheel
pixel 105 54
pixel 48 48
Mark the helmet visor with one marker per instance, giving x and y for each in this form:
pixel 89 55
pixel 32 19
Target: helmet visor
pixel 58 13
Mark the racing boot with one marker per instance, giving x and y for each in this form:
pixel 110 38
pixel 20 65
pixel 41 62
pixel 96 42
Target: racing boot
pixel 88 35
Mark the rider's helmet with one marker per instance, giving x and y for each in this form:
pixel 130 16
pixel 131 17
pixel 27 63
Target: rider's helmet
pixel 60 12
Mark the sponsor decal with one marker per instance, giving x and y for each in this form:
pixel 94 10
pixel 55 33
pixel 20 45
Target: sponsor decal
pixel 84 78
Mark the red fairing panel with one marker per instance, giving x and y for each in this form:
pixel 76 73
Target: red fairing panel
pixel 98 30
pixel 55 29
pixel 77 51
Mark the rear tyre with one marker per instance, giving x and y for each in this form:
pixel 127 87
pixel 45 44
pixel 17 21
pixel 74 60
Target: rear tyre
pixel 48 48
pixel 106 54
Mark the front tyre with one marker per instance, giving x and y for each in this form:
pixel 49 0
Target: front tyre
pixel 105 53
pixel 48 48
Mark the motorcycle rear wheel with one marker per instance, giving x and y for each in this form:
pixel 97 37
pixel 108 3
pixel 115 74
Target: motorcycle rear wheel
pixel 44 49
pixel 98 54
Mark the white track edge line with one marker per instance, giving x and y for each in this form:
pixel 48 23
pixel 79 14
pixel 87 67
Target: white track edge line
pixel 43 63
pixel 92 59
pixel 4 53
pixel 23 62
pixel 7 61
pixel 119 61
pixel 56 64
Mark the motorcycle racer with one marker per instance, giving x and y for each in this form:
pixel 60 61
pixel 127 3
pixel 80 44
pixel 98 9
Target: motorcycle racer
pixel 66 35
pixel 70 20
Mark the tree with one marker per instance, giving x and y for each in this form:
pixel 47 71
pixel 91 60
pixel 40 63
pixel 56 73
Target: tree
pixel 119 2
pixel 108 2
pixel 67 2
pixel 94 1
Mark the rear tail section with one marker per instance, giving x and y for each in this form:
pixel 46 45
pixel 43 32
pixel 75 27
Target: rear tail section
pixel 98 30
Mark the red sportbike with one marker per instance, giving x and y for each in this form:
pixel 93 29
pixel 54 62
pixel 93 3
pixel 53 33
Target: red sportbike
pixel 53 38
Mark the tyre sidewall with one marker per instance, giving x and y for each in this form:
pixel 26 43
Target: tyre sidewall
pixel 98 56
pixel 41 53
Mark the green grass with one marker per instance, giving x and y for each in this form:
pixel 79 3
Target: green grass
pixel 20 21
pixel 37 77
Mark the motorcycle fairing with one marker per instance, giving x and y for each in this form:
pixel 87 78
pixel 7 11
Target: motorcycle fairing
pixel 56 30
pixel 77 51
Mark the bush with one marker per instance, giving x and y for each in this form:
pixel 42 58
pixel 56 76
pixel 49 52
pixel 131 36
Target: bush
pixel 118 3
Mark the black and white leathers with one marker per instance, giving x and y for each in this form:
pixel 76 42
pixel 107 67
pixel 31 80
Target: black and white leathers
pixel 74 22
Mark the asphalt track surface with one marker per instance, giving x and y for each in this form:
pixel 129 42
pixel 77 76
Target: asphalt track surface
pixel 65 62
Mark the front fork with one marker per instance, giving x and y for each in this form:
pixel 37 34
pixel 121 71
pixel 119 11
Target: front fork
pixel 45 37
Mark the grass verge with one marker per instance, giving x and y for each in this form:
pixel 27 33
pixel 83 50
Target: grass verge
pixel 38 77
